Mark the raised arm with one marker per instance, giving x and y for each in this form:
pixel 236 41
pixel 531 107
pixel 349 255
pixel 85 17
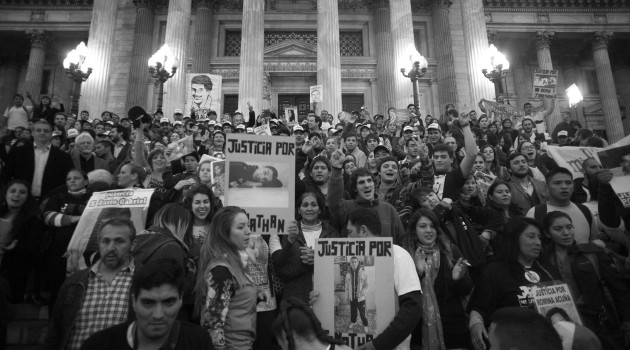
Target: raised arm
pixel 469 144
pixel 550 106
pixel 334 199
pixel 480 104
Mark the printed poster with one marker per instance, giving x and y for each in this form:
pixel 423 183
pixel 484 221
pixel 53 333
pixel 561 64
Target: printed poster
pixel 129 203
pixel 263 130
pixel 316 93
pixel 355 281
pixel 290 114
pixel 545 83
pixel 572 157
pixel 203 94
pixel 621 186
pixel 547 297
pixel 260 178
pixel 502 111
pixel 257 268
pixel 218 178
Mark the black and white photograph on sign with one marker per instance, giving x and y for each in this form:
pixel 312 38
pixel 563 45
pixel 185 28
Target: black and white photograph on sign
pixel 218 178
pixel 204 94
pixel 290 114
pixel 261 185
pixel 316 93
pixel 545 83
pixel 355 302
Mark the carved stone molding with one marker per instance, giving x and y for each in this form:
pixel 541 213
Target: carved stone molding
pixel 488 17
pixel 37 37
pixel 354 71
pixel 38 16
pixel 556 5
pixel 600 18
pixel 543 39
pixel 542 17
pixel 601 40
pixel 229 6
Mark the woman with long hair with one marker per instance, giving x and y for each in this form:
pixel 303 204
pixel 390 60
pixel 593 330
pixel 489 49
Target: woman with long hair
pixel 62 213
pixel 297 327
pixel 20 236
pixel 158 165
pixel 499 200
pixel 200 200
pixel 600 290
pixel 492 164
pixel 444 280
pixel 507 280
pixel 226 296
pixel 293 254
pixel 47 109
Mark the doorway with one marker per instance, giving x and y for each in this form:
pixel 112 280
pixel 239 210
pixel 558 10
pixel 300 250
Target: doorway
pixel 302 102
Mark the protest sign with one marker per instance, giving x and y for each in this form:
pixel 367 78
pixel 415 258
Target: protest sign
pixel 354 278
pixel 290 114
pixel 484 181
pixel 316 93
pixel 203 93
pixel 130 203
pixel 502 111
pixel 621 186
pixel 257 252
pixel 260 178
pixel 262 130
pixel 547 297
pixel 545 83
pixel 611 158
pixel 572 157
pixel 177 149
pixel 403 115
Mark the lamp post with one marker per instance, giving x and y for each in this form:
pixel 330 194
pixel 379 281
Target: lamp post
pixel 497 69
pixel 418 70
pixel 157 63
pixel 78 67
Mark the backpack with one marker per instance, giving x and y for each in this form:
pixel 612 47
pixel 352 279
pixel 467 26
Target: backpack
pixel 541 210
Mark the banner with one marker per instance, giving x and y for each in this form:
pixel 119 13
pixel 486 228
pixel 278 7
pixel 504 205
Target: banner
pixel 502 111
pixel 260 178
pixel 611 158
pixel 403 115
pixel 621 185
pixel 316 93
pixel 203 94
pixel 355 279
pixel 572 157
pixel 545 83
pixel 547 297
pixel 128 203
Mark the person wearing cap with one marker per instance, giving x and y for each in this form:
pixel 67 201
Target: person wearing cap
pixel 563 138
pixel 55 141
pixel 227 127
pixel 507 128
pixel 178 127
pixel 87 125
pixel 239 119
pixel 108 125
pixel 177 115
pixel 565 125
pixel 298 132
pixel 240 129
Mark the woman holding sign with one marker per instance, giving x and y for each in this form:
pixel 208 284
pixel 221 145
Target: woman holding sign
pixel 601 292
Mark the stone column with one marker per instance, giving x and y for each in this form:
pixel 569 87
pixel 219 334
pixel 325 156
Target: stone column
pixel 543 55
pixel 95 90
pixel 177 25
pixel 606 83
pixel 141 51
pixel 203 35
pixel 250 83
pixel 622 83
pixel 447 87
pixel 522 75
pixel 9 73
pixel 403 44
pixel 375 101
pixel 385 67
pixel 328 56
pixel 36 59
pixel 476 43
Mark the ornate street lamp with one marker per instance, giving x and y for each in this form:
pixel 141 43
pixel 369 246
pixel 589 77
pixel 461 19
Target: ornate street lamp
pixel 497 69
pixel 157 63
pixel 78 67
pixel 418 70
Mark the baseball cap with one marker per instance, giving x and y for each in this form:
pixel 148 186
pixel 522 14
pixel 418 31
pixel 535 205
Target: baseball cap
pixel 227 122
pixel 410 128
pixel 241 127
pixel 165 120
pixel 563 133
pixel 104 133
pixel 250 130
pixel 212 122
pixel 238 111
pixel 56 134
pixel 109 122
pixel 72 133
pixel 178 111
pixel 178 122
pixel 298 128
pixel 432 126
pixel 381 148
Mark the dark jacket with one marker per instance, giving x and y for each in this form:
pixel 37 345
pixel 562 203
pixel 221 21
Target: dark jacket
pixel 21 165
pixel 307 185
pixel 523 200
pixel 297 277
pixel 99 163
pixel 67 306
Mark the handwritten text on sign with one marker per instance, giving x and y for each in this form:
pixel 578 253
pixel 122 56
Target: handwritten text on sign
pixel 354 248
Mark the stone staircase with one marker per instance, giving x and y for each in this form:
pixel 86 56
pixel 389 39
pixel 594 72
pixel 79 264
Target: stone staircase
pixel 27 331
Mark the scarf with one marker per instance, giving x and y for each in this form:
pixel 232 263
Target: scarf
pixel 77 193
pixel 432 335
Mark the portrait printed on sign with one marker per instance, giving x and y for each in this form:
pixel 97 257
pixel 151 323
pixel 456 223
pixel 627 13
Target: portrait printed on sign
pixel 218 178
pixel 356 310
pixel 290 114
pixel 203 94
pixel 260 178
pixel 316 93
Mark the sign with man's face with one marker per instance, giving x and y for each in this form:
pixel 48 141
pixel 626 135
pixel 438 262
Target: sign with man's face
pixel 316 93
pixel 203 93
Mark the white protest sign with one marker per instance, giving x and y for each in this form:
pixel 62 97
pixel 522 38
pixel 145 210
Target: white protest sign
pixel 128 203
pixel 545 83
pixel 203 93
pixel 262 130
pixel 556 295
pixel 316 93
pixel 621 186
pixel 572 157
pixel 354 277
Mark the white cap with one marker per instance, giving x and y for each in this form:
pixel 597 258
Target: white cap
pixel 297 127
pixel 563 133
pixel 241 126
pixel 165 120
pixel 434 126
pixel 109 122
pixel 410 128
pixel 250 130
pixel 212 122
pixel 72 133
pixel 178 111
pixel 238 111
pixel 178 122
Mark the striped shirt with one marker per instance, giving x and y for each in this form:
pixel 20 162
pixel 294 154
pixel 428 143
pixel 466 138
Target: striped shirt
pixel 104 304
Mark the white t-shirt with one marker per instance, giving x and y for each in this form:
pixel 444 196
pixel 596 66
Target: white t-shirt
pixel 583 231
pixel 405 280
pixel 539 120
pixel 17 116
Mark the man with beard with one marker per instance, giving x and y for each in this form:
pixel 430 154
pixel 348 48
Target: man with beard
pixel 104 150
pixel 363 187
pixel 119 136
pixel 316 181
pixel 582 187
pixel 97 297
pixel 528 129
pixel 560 185
pixel 156 291
pixel 526 191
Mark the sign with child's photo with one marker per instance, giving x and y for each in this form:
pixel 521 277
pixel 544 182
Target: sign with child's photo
pixel 355 281
pixel 260 178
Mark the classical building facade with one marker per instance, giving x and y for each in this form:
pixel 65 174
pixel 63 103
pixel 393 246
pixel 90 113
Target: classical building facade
pixel 270 51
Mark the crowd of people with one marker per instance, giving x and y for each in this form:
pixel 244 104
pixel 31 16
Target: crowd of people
pixel 478 212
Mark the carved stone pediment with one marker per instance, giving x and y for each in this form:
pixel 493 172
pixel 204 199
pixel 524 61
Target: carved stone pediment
pixel 291 47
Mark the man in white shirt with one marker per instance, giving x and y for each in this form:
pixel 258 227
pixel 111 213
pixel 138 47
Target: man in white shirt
pixel 539 117
pixel 17 115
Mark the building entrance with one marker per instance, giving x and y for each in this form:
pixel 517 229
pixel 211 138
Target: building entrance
pixel 301 102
